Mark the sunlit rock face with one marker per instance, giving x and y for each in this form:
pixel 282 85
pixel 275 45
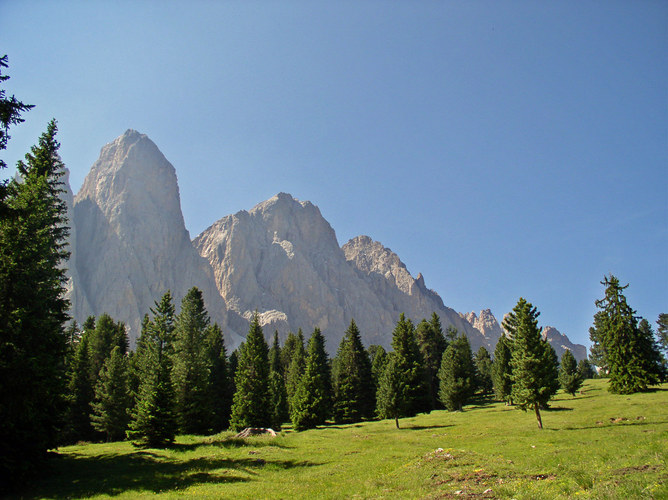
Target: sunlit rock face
pixel 131 242
pixel 282 259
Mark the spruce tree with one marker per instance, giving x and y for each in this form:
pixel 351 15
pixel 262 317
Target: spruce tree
pixel 457 374
pixel 112 397
pixel 80 396
pixel 378 357
pixel 411 368
pixel 662 331
pixel 220 393
pixel 501 370
pixel 154 417
pixel 432 345
pixel 279 396
pixel 352 381
pixel 569 377
pixel 597 351
pixel 295 369
pixel 191 369
pixel 390 398
pixel 251 406
pixel 33 308
pixel 483 368
pixel 106 335
pixel 631 353
pixel 287 352
pixel 313 397
pixel 533 363
pixel 585 369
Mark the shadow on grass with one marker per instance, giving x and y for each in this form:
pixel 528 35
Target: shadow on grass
pixel 556 408
pixel 607 425
pixel 75 475
pixel 230 442
pixel 426 427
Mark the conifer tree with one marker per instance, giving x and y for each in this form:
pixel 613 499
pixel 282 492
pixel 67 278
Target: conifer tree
pixel 410 365
pixel 295 369
pixel 112 398
pixel 105 335
pixel 154 416
pixel 287 352
pixel 80 396
pixel 391 401
pixel 352 381
pixel 33 308
pixel 432 345
pixel 191 369
pixel 378 357
pixel 585 369
pixel 279 396
pixel 631 353
pixel 220 392
pixel 483 368
pixel 533 363
pixel 501 370
pixel 569 377
pixel 597 351
pixel 662 331
pixel 251 406
pixel 457 374
pixel 313 397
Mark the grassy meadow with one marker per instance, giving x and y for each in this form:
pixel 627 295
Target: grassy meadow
pixel 596 445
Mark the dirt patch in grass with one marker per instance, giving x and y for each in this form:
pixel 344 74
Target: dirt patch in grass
pixel 638 468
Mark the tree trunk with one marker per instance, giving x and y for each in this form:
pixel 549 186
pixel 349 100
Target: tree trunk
pixel 540 422
pixel 396 421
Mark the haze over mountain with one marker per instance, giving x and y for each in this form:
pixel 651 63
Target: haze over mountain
pixel 281 258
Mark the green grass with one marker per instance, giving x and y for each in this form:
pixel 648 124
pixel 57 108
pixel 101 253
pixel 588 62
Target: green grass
pixel 581 453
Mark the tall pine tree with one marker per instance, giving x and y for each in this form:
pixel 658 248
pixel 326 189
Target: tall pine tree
pixel 391 401
pixel 409 363
pixel 33 309
pixel 191 365
pixel 483 368
pixel 251 406
pixel 154 416
pixel 501 370
pixel 432 345
pixel 631 354
pixel 457 374
pixel 278 394
pixel 352 381
pixel 570 378
pixel 219 395
pixel 313 397
pixel 533 363
pixel 295 369
pixel 112 397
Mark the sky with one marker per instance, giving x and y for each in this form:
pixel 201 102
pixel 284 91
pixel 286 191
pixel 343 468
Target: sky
pixel 502 149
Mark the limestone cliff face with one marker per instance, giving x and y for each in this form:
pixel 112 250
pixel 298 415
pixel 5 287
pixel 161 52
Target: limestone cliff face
pixel 282 259
pixel 131 242
pixel 398 291
pixel 561 343
pixel 486 324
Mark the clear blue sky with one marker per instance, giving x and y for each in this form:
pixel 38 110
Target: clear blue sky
pixel 503 149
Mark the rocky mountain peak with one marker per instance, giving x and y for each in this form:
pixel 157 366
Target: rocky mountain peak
pixel 486 324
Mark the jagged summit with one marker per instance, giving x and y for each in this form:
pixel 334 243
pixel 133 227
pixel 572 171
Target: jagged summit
pixel 131 241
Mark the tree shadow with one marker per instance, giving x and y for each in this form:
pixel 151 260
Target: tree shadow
pixel 556 408
pixel 426 427
pixel 74 475
pixel 230 442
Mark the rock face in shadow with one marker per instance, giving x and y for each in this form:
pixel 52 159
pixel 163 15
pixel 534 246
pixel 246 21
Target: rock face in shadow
pixel 131 243
pixel 561 343
pixel 283 259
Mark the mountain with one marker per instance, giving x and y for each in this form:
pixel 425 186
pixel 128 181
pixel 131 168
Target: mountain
pixel 486 324
pixel 561 343
pixel 282 259
pixel 131 244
